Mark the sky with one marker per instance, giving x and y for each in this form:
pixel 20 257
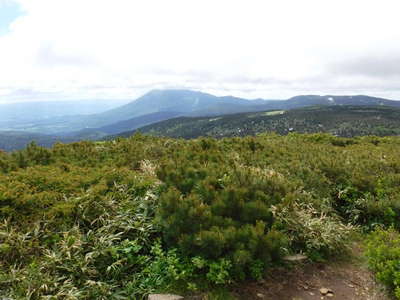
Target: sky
pixel 120 49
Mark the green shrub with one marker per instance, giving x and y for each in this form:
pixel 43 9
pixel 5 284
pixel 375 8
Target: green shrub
pixel 207 213
pixel 383 252
pixel 368 209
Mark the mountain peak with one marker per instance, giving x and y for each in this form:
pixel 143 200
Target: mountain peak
pixel 174 92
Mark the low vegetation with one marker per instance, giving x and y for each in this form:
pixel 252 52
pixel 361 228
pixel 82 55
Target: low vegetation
pixel 383 254
pixel 124 218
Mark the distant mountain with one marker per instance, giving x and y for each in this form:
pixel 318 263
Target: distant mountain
pixel 181 101
pixel 171 103
pixel 345 121
pixel 295 102
pixel 309 100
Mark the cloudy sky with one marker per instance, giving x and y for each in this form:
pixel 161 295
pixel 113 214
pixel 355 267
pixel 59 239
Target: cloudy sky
pixel 119 49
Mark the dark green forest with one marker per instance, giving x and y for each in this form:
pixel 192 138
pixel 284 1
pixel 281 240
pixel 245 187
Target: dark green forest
pixel 120 219
pixel 343 121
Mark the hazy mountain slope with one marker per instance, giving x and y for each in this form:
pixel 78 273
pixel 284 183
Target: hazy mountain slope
pixel 308 100
pixel 131 124
pixel 182 101
pixel 29 111
pixel 13 140
pixel 138 122
pixel 339 120
pixel 192 103
pixel 223 109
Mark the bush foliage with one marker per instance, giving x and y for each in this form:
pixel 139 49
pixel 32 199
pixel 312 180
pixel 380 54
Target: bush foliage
pixel 383 252
pixel 123 218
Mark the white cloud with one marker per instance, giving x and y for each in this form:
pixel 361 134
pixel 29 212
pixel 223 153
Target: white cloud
pixel 277 48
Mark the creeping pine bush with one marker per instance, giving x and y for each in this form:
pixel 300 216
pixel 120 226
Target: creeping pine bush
pixel 383 252
pixel 213 210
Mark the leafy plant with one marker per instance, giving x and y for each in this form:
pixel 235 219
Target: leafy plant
pixel 383 252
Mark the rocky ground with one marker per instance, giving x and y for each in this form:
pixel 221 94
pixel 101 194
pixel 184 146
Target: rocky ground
pixel 342 281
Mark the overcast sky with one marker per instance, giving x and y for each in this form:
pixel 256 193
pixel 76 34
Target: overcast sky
pixel 119 49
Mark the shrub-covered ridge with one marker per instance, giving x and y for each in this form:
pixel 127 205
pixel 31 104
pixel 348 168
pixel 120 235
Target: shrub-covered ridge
pixel 120 219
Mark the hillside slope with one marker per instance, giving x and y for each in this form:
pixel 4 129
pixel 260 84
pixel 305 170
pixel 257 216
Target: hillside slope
pixel 126 125
pixel 156 101
pixel 346 121
pixel 184 101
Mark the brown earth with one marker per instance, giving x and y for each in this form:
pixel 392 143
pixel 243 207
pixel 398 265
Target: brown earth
pixel 347 281
pixel 347 278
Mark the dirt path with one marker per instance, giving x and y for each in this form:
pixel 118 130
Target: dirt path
pixel 347 281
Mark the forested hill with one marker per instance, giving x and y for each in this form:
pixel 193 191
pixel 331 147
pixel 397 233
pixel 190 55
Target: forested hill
pixel 345 121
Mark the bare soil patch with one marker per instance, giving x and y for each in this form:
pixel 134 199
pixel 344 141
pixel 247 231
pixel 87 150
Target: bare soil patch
pixel 347 281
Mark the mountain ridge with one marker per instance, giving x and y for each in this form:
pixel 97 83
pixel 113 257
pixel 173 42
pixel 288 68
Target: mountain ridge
pixel 199 104
pixel 173 102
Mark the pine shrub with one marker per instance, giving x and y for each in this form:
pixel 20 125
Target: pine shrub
pixel 215 211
